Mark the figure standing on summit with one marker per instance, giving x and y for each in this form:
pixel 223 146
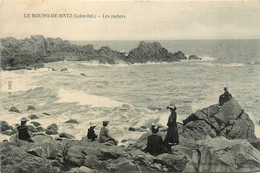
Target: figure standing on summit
pixel 224 97
pixel 172 136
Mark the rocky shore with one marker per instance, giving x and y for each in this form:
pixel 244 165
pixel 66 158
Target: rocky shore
pixel 213 139
pixel 31 53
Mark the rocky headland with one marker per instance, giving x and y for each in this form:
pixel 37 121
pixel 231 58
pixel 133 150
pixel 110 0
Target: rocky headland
pixel 35 51
pixel 212 139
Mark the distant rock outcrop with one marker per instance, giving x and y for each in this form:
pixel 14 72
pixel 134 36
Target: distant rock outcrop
pixel 32 52
pixel 194 57
pixel 152 52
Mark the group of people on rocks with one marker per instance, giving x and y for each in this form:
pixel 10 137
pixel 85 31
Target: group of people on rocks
pixel 155 143
pixel 103 135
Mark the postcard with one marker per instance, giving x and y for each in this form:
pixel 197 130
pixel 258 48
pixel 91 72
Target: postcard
pixel 130 86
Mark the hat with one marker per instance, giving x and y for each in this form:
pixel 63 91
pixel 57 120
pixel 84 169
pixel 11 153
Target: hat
pixel 171 106
pixel 105 122
pixel 24 119
pixel 225 88
pixel 154 128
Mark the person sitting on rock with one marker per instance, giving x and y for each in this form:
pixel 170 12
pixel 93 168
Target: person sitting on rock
pixel 23 133
pixel 155 145
pixel 224 97
pixel 91 133
pixel 104 134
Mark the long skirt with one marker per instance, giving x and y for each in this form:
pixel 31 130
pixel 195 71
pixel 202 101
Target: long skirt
pixel 172 135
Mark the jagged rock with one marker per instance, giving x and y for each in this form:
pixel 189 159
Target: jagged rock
pixel 152 52
pixel 64 69
pixel 53 126
pixel 36 124
pixel 33 52
pixel 255 143
pixel 33 117
pixel 14 109
pixel 40 129
pixel 45 147
pixel 44 113
pixel 4 126
pixel 180 55
pixel 229 121
pixel 92 161
pixel 30 108
pixel 52 129
pixel 131 129
pixel 72 121
pixel 8 132
pixel 223 155
pixel 194 57
pixel 66 135
pixel 176 163
pixel 82 74
pixel 16 159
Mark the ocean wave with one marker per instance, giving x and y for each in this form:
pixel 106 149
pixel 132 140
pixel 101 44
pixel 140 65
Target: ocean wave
pixel 207 58
pixel 70 96
pixel 234 65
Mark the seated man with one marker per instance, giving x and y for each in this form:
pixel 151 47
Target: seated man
pixel 23 131
pixel 155 145
pixel 104 134
pixel 224 97
pixel 91 133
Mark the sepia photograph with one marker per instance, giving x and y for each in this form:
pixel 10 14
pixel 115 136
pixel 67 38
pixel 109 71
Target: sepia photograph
pixel 129 86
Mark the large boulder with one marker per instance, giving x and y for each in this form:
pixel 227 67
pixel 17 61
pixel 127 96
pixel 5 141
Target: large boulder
pixel 152 52
pixel 52 129
pixel 45 147
pixel 16 159
pixel 223 155
pixel 72 121
pixel 14 109
pixel 230 120
pixel 4 126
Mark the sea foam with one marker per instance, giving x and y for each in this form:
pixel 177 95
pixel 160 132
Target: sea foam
pixel 82 98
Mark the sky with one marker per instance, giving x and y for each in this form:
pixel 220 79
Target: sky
pixel 144 20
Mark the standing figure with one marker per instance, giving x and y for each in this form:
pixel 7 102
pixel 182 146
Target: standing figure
pixel 155 145
pixel 172 136
pixel 23 133
pixel 104 134
pixel 91 133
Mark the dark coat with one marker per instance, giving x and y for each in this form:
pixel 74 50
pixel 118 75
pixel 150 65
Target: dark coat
pixel 224 98
pixel 91 134
pixel 172 135
pixel 155 145
pixel 23 133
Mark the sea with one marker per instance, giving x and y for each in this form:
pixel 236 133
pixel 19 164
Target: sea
pixel 134 95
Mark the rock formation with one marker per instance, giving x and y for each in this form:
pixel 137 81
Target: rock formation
pixel 152 52
pixel 230 120
pixel 33 52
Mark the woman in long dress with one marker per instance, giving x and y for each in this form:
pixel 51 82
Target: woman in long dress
pixel 172 136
